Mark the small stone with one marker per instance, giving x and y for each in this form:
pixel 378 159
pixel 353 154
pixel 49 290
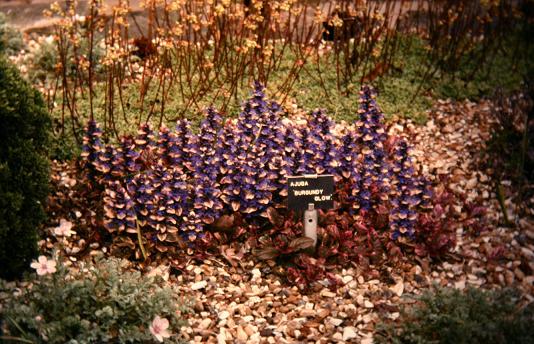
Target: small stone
pixel 241 334
pixel 205 324
pixel 349 332
pixel 448 129
pixel 519 274
pixel 398 288
pixel 335 321
pixel 323 313
pixel 199 285
pixel 368 304
pixel 327 293
pixel 359 300
pixel 509 277
pixel 250 330
pixel 367 340
pixel 256 274
pixel 347 279
pixel 459 285
pixel 221 337
pixel 337 336
pixel 266 332
pixel 224 315
pixel 307 313
pixel 367 318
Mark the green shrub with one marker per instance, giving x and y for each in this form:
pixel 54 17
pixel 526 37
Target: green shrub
pixel 24 169
pixel 452 316
pixel 10 39
pixel 105 303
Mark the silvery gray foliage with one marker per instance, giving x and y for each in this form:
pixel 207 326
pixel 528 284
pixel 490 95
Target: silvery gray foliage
pixel 105 303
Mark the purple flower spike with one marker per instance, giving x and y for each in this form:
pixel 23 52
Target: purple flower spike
pixel 406 194
pixel 119 214
pixel 91 149
pixel 373 185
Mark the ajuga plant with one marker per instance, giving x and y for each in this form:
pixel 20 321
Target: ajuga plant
pixel 249 184
pixel 91 149
pixel 181 186
pixel 323 144
pixel 372 187
pixel 207 204
pixel 406 194
pixel 435 229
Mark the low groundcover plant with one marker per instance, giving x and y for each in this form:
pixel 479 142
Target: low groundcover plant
pixel 453 316
pixel 100 302
pixel 165 191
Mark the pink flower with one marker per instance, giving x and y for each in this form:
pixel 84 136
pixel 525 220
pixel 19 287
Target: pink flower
pixel 159 328
pixel 64 228
pixel 44 266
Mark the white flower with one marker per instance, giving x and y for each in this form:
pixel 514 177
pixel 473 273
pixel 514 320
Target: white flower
pixel 159 328
pixel 79 18
pixel 64 228
pixel 44 266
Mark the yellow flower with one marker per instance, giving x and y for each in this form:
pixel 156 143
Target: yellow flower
pixel 219 10
pixel 336 21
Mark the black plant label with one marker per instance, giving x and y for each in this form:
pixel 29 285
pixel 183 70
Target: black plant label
pixel 310 189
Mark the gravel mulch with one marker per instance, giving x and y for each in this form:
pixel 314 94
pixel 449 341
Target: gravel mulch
pixel 246 302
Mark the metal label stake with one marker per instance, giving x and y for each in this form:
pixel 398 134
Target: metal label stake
pixel 310 223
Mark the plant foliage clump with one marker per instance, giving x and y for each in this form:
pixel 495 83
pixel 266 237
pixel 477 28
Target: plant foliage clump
pixel 166 191
pixel 101 303
pixel 10 39
pixel 451 316
pixel 24 171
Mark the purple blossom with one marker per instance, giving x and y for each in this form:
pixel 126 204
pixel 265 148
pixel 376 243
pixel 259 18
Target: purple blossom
pixel 373 185
pixel 119 213
pixel 406 194
pixel 91 149
pixel 183 182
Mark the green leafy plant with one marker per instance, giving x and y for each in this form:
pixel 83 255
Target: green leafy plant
pixel 10 39
pixel 100 303
pixel 452 316
pixel 24 170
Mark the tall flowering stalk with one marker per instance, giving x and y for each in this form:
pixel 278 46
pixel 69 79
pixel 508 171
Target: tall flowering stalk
pixel 323 144
pixel 119 212
pixel 166 146
pixel 91 149
pixel 348 174
pixel 292 149
pixel 305 158
pixel 130 157
pixel 374 182
pixel 406 194
pixel 145 146
pixel 142 191
pixel 267 149
pixel 207 203
pixel 247 185
pixel 110 164
pixel 182 148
